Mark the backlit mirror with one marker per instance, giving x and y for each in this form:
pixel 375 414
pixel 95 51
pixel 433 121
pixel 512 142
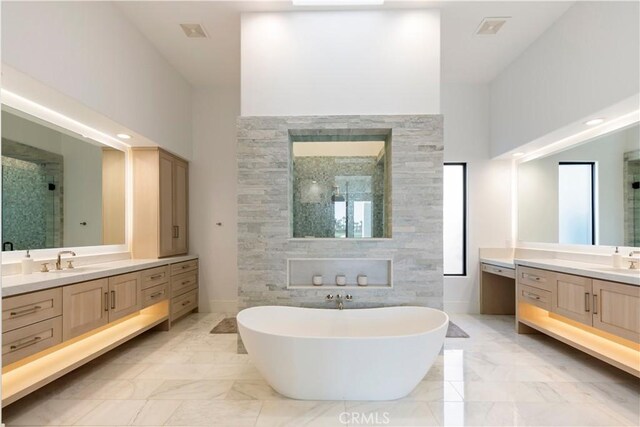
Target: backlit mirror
pixel 59 189
pixel 588 194
pixel 340 188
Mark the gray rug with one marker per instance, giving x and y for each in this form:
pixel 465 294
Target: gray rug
pixel 230 326
pixel 227 326
pixel 454 331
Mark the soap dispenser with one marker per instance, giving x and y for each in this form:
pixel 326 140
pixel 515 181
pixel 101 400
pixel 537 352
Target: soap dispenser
pixel 617 259
pixel 27 264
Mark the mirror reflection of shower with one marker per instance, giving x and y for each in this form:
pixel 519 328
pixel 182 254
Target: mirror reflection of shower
pixel 340 208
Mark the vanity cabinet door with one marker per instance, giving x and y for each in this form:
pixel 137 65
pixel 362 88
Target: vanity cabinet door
pixel 85 307
pixel 167 229
pixel 616 309
pixel 124 295
pixel 180 189
pixel 571 297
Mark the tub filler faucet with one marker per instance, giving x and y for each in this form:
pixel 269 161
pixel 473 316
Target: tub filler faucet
pixel 340 299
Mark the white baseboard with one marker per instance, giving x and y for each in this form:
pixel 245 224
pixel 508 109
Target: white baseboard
pixel 219 306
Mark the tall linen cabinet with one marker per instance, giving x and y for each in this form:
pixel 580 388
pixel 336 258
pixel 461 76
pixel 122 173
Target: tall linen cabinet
pixel 160 204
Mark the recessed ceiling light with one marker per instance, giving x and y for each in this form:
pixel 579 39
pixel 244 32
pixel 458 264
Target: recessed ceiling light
pixel 336 2
pixel 594 122
pixel 518 154
pixel 194 31
pixel 490 26
pixel 123 136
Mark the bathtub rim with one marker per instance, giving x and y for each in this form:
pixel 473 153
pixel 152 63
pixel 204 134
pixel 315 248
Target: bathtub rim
pixel 329 337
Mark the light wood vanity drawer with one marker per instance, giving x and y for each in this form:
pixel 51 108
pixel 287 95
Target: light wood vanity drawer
pixel 23 310
pixel 183 283
pixel 153 295
pixel 500 271
pixel 23 342
pixel 183 267
pixel 535 296
pixel 154 276
pixel 183 304
pixel 541 279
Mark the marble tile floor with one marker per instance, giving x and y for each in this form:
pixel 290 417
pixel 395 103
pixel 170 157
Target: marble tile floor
pixel 188 377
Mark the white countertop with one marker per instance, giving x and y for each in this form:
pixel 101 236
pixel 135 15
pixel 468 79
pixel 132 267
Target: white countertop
pixel 23 283
pixel 596 271
pixel 500 262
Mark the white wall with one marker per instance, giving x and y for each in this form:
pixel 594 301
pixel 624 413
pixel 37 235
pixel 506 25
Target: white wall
pixel 538 189
pixel 90 52
pixel 587 61
pixel 466 139
pixel 364 62
pixel 213 196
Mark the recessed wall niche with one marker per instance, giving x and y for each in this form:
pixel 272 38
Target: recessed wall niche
pixel 340 186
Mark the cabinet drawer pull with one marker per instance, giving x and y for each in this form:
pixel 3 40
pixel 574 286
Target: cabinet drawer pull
pixel 595 304
pixel 113 300
pixel 156 276
pixel 186 266
pixel 157 294
pixel 532 296
pixel 32 341
pixel 185 282
pixel 586 302
pixel 186 303
pixel 176 231
pixel 25 311
pixel 106 301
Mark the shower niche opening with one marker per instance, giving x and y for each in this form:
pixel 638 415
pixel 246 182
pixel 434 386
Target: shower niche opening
pixel 340 183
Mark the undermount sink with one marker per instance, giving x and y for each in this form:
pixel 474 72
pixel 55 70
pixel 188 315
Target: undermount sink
pixel 74 270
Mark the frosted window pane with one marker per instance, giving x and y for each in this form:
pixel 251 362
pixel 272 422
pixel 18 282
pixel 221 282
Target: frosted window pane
pixel 575 208
pixel 453 207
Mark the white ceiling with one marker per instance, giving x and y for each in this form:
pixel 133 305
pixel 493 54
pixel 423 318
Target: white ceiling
pixel 215 62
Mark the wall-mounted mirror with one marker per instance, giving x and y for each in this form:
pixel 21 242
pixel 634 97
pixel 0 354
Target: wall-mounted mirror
pixel 59 189
pixel 588 194
pixel 340 187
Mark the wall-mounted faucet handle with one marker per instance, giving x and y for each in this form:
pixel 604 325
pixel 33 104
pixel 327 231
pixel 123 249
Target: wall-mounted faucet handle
pixel 632 265
pixel 70 264
pixel 348 297
pixel 44 268
pixel 329 297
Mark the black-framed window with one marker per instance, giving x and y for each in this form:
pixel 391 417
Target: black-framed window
pixel 577 203
pixel 455 219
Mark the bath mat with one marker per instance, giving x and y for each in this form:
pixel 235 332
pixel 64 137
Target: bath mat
pixel 227 325
pixel 454 331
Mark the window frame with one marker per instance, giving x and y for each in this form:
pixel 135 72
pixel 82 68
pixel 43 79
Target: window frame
pixel 464 220
pixel 593 195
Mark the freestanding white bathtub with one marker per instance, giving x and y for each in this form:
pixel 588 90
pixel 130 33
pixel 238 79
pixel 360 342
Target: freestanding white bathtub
pixel 351 354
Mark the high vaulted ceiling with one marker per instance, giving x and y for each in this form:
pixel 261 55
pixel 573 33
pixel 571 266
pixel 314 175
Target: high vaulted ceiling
pixel 214 62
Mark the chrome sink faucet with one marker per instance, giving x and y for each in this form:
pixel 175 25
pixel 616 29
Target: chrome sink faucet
pixel 59 261
pixel 339 299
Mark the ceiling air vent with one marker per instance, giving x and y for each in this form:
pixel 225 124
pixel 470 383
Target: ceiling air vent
pixel 194 31
pixel 490 26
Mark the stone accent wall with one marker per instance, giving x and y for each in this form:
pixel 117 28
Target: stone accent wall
pixel 264 211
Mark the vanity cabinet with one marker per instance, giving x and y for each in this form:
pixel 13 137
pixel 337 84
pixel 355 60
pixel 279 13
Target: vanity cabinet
pixel 599 317
pixel 124 295
pixel 571 297
pixel 160 203
pixel 184 288
pixel 616 309
pixel 86 307
pixel 90 305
